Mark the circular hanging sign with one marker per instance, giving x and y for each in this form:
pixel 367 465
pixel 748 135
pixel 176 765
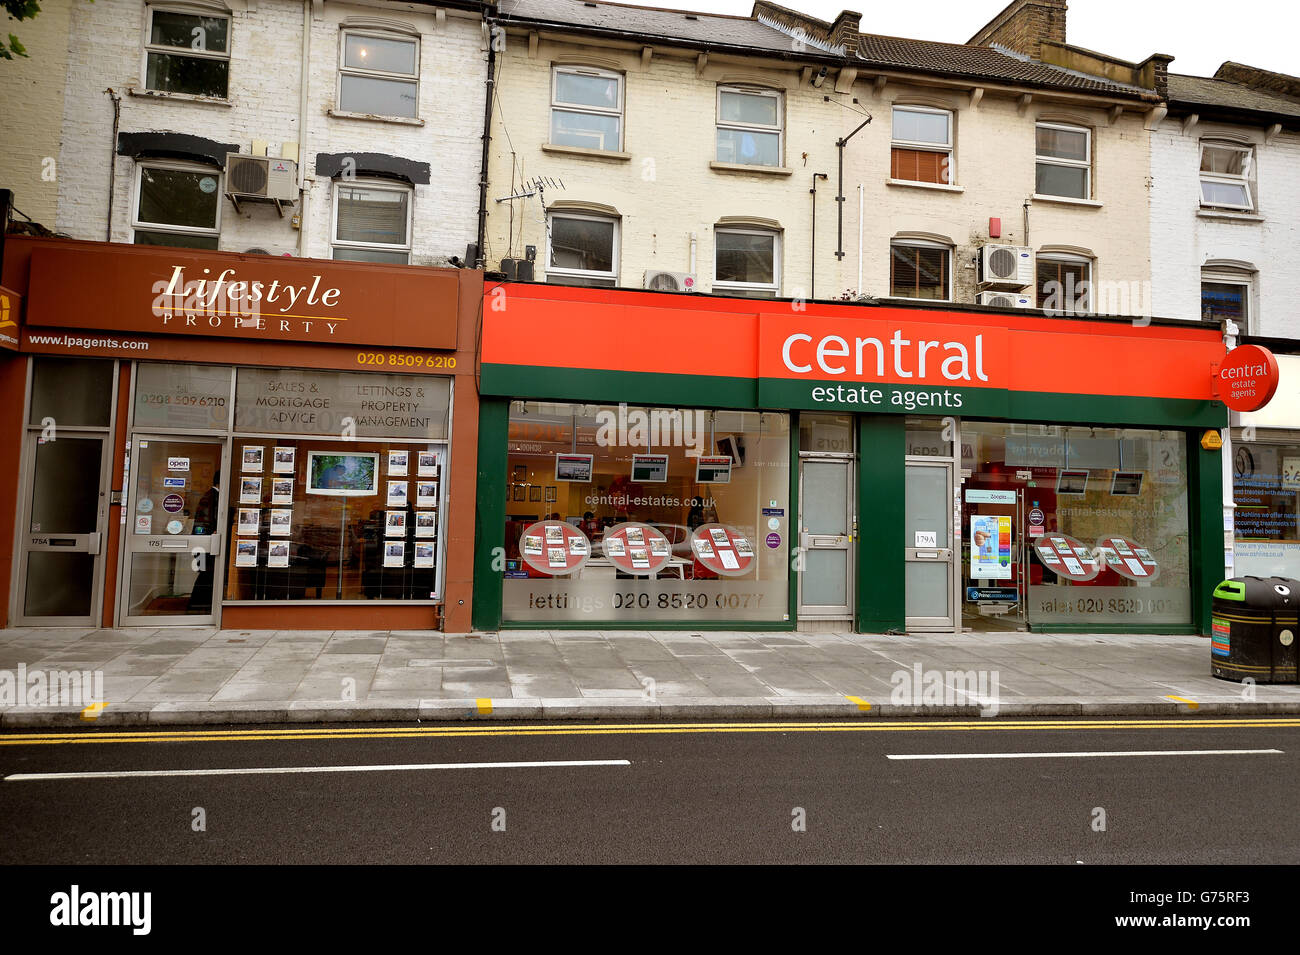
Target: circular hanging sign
pixel 554 547
pixel 723 550
pixel 636 548
pixel 1067 557
pixel 1128 558
pixel 1247 378
pixel 173 503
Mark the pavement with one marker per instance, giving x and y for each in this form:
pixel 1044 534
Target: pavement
pixel 195 676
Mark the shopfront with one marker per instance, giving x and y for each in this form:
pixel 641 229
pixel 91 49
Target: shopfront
pixel 280 451
pixel 815 466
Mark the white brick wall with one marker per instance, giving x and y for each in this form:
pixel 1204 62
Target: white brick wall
pixel 265 76
pixel 1183 239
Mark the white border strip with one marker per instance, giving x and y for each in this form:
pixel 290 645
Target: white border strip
pixel 270 770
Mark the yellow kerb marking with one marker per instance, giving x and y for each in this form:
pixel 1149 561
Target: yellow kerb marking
pixel 1191 704
pixel 484 706
pixel 863 705
pixel 92 712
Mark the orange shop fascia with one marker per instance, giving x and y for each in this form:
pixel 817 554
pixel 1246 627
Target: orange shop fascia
pixel 110 301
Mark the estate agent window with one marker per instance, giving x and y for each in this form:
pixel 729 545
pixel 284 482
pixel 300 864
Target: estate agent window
pixel 922 145
pixel 187 53
pixel 1064 284
pixel 372 222
pixel 586 108
pixel 1064 161
pixel 749 126
pixel 680 476
pixel 920 270
pixel 1266 488
pixel 582 250
pixel 177 204
pixel 378 74
pixel 746 262
pixel 1226 172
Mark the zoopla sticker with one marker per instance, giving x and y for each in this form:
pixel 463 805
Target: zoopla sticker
pixel 174 527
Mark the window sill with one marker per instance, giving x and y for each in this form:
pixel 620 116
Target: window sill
pixel 745 291
pixel 1067 201
pixel 913 184
pixel 751 170
pixel 586 152
pixel 375 118
pixel 179 97
pixel 914 298
pixel 1229 215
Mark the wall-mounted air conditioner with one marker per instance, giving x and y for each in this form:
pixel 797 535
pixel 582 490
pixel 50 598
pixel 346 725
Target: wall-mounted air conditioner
pixel 669 281
pixel 1004 300
pixel 261 177
pixel 1008 266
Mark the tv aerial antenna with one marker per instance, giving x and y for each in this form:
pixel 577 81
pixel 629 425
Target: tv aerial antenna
pixel 536 186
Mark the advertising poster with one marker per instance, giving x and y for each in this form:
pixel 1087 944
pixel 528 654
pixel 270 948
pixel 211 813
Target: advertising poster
pixel 428 464
pixel 252 459
pixel 426 524
pixel 395 524
pixel 397 494
pixel 245 553
pixel 573 467
pixel 423 555
pixel 397 463
pixel 394 553
pixel 281 521
pixel 250 522
pixel 426 493
pixel 282 491
pixel 282 460
pixel 250 490
pixel 277 554
pixel 990 547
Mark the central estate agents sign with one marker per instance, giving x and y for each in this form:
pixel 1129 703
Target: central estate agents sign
pixel 258 298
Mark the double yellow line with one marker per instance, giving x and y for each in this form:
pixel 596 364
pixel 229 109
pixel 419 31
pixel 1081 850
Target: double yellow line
pixel 226 735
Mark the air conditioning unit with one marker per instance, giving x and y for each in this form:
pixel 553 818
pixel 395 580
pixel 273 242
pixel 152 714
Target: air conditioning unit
pixel 517 270
pixel 1009 266
pixel 261 177
pixel 1004 300
pixel 670 281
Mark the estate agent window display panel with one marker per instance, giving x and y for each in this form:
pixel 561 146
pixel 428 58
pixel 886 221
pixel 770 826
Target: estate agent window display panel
pixel 695 481
pixel 1117 495
pixel 336 483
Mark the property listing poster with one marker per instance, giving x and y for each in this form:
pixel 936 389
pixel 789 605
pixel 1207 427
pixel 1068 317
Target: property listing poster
pixel 990 547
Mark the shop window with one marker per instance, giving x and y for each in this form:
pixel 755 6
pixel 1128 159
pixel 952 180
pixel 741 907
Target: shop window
pixel 1266 489
pixel 313 516
pixel 922 145
pixel 177 205
pixel 1226 174
pixel 372 222
pixel 749 126
pixel 747 262
pixel 187 52
pixel 678 471
pixel 1074 526
pixel 1063 161
pixel 920 270
pixel 1064 284
pixel 1225 297
pixel 379 74
pixel 586 108
pixel 582 250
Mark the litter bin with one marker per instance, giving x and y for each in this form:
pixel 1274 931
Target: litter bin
pixel 1255 621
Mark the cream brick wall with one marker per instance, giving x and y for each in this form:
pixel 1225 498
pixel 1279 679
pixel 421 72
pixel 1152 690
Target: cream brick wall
pixel 265 75
pixel 666 191
pixel 31 90
pixel 995 169
pixel 1183 239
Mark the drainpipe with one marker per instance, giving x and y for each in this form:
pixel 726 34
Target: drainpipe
pixel 1025 207
pixel 858 289
pixel 304 195
pixel 812 274
pixel 693 272
pixel 480 255
pixel 1230 332
pixel 112 160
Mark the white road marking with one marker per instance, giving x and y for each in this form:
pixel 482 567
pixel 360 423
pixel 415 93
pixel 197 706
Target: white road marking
pixel 1127 752
pixel 266 770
